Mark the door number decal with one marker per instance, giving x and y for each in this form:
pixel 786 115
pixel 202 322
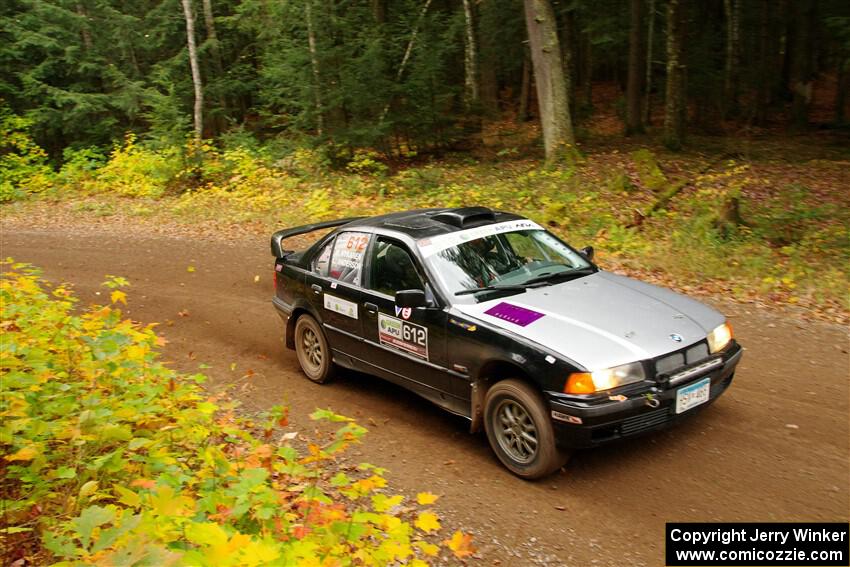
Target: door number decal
pixel 403 335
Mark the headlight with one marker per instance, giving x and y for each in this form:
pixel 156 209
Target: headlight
pixel 605 379
pixel 719 338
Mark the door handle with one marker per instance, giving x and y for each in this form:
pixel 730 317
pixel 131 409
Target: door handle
pixel 370 307
pixel 316 288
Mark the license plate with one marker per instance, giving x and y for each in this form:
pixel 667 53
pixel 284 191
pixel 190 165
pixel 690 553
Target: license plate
pixel 693 395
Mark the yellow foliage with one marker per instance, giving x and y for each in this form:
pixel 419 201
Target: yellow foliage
pixel 426 498
pixel 427 522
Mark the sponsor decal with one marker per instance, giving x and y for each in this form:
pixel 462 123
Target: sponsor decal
pixel 341 306
pixel 514 314
pixel 403 335
pixel 463 324
pixel 550 359
pixel 435 244
pixel 566 417
pixel 405 312
pixel 333 285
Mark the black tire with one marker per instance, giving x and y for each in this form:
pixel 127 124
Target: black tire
pixel 520 431
pixel 312 350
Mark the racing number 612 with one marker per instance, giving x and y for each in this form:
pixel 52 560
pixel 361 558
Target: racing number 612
pixel 413 334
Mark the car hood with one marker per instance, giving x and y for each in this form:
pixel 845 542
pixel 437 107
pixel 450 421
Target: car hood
pixel 601 320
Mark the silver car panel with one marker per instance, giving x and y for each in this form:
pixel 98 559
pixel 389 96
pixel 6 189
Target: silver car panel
pixel 604 320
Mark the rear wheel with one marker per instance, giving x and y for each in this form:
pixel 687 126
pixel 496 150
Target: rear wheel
pixel 311 347
pixel 520 431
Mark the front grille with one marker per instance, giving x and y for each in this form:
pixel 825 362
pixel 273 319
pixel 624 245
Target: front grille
pixel 644 421
pixel 674 362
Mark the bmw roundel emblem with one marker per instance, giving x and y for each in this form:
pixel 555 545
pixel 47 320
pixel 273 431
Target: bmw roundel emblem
pixel 676 337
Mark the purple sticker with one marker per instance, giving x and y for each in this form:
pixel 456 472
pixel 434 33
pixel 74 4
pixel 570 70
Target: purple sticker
pixel 514 314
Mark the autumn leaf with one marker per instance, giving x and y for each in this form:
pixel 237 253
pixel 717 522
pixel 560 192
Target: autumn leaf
pixel 25 454
pixel 427 522
pixel 428 549
pixel 426 498
pixel 382 502
pixel 117 296
pixel 460 544
pixel 190 269
pixel 143 483
pixel 88 488
pixel 127 496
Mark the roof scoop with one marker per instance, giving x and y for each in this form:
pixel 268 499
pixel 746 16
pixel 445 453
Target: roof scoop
pixel 466 217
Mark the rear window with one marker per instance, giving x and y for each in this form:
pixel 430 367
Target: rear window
pixel 346 263
pixel 322 260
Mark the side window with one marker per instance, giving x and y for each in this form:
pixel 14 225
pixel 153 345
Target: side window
pixel 393 268
pixel 347 258
pixel 321 262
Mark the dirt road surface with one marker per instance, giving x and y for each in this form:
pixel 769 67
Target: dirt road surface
pixel 776 447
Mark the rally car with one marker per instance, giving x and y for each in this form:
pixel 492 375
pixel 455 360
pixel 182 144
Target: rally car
pixel 492 317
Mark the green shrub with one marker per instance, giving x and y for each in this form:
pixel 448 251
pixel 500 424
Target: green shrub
pixel 23 164
pixel 80 165
pixel 111 458
pixel 136 171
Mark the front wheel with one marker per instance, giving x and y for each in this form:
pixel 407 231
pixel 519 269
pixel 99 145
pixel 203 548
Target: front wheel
pixel 519 430
pixel 311 348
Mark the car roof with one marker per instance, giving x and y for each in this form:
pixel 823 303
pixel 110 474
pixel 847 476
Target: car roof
pixel 423 223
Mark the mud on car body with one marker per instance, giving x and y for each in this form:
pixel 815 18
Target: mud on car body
pixel 492 317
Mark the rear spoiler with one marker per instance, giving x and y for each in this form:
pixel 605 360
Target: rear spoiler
pixel 281 235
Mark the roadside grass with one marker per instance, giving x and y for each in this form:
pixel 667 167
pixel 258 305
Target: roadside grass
pixel 775 228
pixel 111 458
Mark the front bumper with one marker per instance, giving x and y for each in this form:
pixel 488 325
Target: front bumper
pixel 605 420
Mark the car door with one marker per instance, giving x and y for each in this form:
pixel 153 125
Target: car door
pixel 334 285
pixel 407 345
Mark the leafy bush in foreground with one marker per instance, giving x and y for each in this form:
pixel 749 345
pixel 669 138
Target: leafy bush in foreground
pixel 111 458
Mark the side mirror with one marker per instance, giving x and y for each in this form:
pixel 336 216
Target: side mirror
pixel 410 298
pixel 587 252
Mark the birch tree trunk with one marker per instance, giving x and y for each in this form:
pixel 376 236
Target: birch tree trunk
pixel 674 127
pixel 634 86
pixel 732 10
pixel 470 57
pixel 314 63
pixel 548 64
pixel 407 53
pixel 196 71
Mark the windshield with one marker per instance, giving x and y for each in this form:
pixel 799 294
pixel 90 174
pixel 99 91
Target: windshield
pixel 505 262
